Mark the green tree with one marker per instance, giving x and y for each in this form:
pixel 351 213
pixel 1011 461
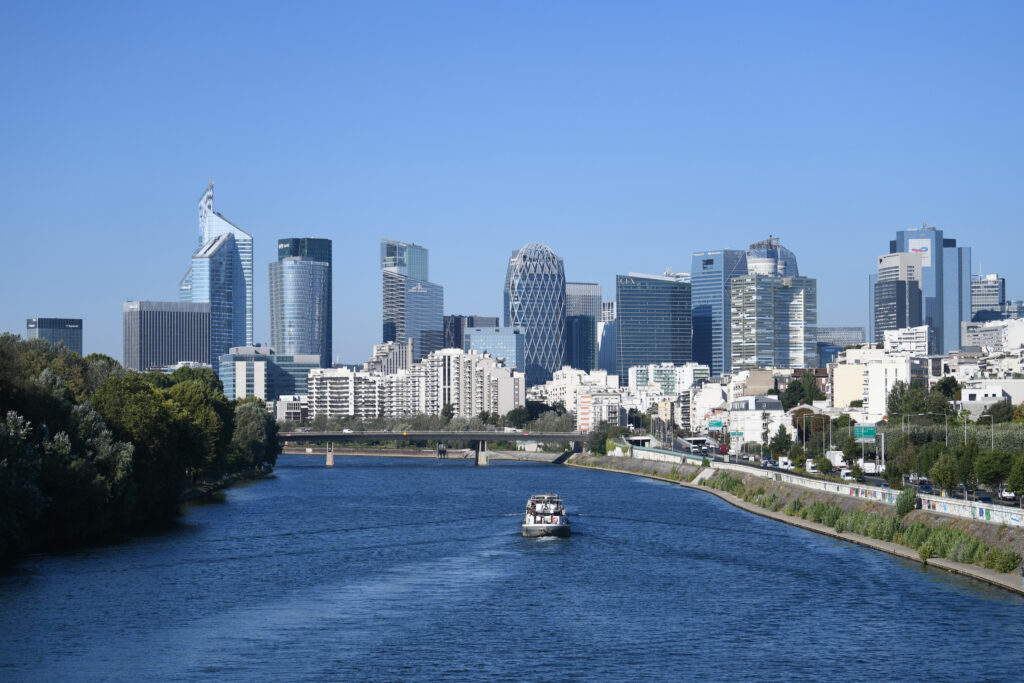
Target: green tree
pixel 992 468
pixel 948 387
pixel 1015 482
pixel 1000 412
pixel 208 414
pixel 906 501
pixel 21 501
pixel 781 442
pixel 448 411
pixel 945 472
pixel 517 417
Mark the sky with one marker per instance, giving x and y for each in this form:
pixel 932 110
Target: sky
pixel 623 135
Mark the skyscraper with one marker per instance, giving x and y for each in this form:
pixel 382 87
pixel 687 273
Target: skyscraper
pixel 896 294
pixel 455 327
pixel 66 331
pixel 413 307
pixel 535 303
pixel 774 322
pixel 583 308
pixel 221 275
pixel 988 297
pixel 710 273
pixel 945 282
pixel 300 298
pixel 653 319
pixel 162 333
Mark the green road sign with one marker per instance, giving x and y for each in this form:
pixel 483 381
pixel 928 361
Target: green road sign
pixel 715 424
pixel 736 433
pixel 864 433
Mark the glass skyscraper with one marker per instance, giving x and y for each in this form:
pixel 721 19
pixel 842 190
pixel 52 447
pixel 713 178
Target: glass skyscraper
pixel 300 298
pixel 221 275
pixel 413 308
pixel 710 274
pixel 535 303
pixel 582 304
pixel 66 331
pixel 945 278
pixel 505 343
pixel 653 319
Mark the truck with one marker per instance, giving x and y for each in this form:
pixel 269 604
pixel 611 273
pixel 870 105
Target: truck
pixel 785 463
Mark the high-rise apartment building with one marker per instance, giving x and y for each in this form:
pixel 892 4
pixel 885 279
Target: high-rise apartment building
pixel 654 323
pixel 455 328
pixel 535 303
pixel 774 321
pixel 162 333
pixel 66 331
pixel 261 372
pixel 300 298
pixel 988 298
pixel 221 275
pixel 413 307
pixel 944 280
pixel 710 274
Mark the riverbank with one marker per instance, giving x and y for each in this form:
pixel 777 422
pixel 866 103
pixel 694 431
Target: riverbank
pixel 208 488
pixel 681 475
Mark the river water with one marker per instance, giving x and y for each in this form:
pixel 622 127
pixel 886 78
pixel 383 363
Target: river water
pixel 398 569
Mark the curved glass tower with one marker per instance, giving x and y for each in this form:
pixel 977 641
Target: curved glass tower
pixel 769 257
pixel 300 298
pixel 535 303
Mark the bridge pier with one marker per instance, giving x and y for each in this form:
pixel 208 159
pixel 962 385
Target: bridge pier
pixel 480 447
pixel 330 455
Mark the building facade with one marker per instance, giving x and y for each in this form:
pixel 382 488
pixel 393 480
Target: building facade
pixel 162 333
pixel 654 323
pixel 535 303
pixel 455 328
pixel 583 311
pixel 66 331
pixel 261 372
pixel 710 273
pixel 221 275
pixel 301 318
pixel 988 297
pixel 674 380
pixel 506 344
pixel 413 307
pixel 841 336
pixel 774 322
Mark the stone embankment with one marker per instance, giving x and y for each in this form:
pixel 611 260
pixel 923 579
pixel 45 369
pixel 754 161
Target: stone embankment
pixel 689 476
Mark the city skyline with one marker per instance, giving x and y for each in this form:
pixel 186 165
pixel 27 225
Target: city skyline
pixel 760 122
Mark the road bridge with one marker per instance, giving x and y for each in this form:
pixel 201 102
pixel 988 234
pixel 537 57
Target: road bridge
pixel 478 438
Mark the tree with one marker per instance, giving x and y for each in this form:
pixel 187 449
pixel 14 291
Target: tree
pixel 249 442
pixel 517 417
pixel 966 454
pixel 1018 414
pixel 944 471
pixel 823 464
pixel 948 387
pixel 1015 482
pixel 448 411
pixel 992 468
pixel 906 501
pixel 208 414
pixel 1000 412
pixel 21 501
pixel 781 442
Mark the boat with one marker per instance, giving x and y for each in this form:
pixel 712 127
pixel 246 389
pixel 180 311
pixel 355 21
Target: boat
pixel 545 516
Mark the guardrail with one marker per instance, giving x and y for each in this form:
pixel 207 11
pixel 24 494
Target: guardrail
pixel 982 512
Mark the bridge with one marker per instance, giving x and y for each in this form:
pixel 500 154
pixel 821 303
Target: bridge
pixel 479 439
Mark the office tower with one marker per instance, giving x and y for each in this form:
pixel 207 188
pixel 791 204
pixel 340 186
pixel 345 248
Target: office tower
pixel 896 294
pixel 504 343
pixel 581 342
pixel 774 320
pixel 710 274
pixel 841 336
pixel 66 331
pixel 535 303
pixel 413 307
pixel 300 298
pixel 606 338
pixel 653 320
pixel 769 257
pixel 162 333
pixel 582 303
pixel 988 298
pixel 455 328
pixel 261 372
pixel 221 275
pixel 945 283
pixel 607 311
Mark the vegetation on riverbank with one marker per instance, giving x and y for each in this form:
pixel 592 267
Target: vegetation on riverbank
pixel 90 452
pixel 942 540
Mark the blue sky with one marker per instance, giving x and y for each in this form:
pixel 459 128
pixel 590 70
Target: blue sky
pixel 624 135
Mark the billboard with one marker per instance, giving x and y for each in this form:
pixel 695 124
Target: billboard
pixel 922 248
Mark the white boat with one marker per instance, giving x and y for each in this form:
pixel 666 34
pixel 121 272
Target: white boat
pixel 545 516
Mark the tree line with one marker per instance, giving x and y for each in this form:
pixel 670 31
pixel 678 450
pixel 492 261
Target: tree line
pixel 89 451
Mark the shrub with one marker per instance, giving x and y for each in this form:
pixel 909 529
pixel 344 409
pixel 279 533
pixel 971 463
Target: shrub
pixel 906 501
pixel 794 507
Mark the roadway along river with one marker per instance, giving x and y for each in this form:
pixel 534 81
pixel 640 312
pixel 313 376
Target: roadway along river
pixel 414 569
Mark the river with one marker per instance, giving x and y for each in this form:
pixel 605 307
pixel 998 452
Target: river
pixel 398 569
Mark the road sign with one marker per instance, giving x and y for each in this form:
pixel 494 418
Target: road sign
pixel 715 424
pixel 735 433
pixel 864 433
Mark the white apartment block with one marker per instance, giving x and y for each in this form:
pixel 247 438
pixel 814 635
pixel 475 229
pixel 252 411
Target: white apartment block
pixel 596 407
pixel 912 340
pixel 868 374
pixel 566 385
pixel 756 419
pixel 673 379
pixel 343 392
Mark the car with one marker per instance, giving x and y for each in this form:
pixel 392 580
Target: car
pixel 924 488
pixel 346 431
pixel 1007 495
pixel 884 485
